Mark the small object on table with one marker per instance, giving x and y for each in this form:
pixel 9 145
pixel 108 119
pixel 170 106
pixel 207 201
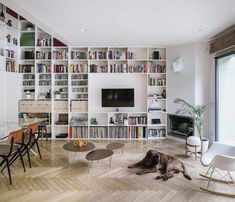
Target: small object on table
pixel 99 154
pixel 80 143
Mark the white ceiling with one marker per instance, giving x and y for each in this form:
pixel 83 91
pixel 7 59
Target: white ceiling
pixel 129 22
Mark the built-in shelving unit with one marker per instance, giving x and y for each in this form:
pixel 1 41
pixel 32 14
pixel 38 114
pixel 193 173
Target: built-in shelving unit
pixel 9 40
pixel 66 82
pixel 75 82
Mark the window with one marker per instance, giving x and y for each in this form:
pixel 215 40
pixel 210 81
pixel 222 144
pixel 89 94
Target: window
pixel 225 98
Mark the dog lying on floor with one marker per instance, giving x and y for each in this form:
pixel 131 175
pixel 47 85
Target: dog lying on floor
pixel 156 161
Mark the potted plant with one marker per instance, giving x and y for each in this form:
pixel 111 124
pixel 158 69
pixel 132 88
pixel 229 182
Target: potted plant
pixel 197 112
pixel 57 94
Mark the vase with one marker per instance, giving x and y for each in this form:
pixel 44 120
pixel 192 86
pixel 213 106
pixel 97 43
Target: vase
pixel 57 96
pixel 205 144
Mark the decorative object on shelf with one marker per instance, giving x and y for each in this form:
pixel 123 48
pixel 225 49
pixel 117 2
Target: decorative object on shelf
pixel 177 64
pixel 28 95
pixel 9 23
pixel 93 121
pixel 29 26
pixel 197 112
pixel 2 15
pixel 80 143
pixel 164 93
pixel 57 94
pixel 111 120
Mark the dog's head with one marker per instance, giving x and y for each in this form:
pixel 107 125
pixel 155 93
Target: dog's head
pixel 154 157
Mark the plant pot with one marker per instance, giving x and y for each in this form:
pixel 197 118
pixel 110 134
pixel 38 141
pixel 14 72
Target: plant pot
pixel 194 142
pixel 205 145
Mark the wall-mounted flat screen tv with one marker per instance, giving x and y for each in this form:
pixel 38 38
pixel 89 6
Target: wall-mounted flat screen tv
pixel 118 97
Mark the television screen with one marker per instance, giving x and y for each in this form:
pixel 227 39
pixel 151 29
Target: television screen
pixel 119 97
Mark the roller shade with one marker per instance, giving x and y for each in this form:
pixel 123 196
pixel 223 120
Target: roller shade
pixel 223 41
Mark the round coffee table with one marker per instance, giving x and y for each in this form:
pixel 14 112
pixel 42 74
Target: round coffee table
pixel 99 154
pixel 115 145
pixel 74 148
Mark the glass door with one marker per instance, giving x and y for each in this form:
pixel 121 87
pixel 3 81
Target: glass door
pixel 225 99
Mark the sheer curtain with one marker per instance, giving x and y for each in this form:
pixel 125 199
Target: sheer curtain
pixel 225 99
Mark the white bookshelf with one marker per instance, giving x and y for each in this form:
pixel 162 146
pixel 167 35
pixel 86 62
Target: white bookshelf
pixel 79 73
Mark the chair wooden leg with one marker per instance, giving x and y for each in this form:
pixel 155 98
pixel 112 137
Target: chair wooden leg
pixel 27 150
pixel 9 171
pixel 22 161
pixel 39 150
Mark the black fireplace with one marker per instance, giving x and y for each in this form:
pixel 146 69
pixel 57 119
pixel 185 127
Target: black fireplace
pixel 175 125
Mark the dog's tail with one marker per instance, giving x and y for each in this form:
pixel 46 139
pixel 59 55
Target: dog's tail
pixel 185 173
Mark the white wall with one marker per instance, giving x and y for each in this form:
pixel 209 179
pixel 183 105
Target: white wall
pixel 10 91
pixel 182 84
pixel 3 94
pixel 203 84
pixel 193 83
pixel 99 81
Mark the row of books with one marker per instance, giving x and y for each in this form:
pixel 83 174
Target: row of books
pixel 10 54
pixel 44 83
pixel 45 76
pixel 44 42
pixel 61 76
pixel 157 81
pixel 157 132
pixel 137 120
pixel 60 54
pixel 78 68
pixel 60 68
pixel 79 55
pixel 28 76
pixel 43 55
pixel 78 132
pixel 80 90
pixel 137 132
pixel 28 83
pixel 115 132
pixel 157 68
pixel 79 76
pixel 116 54
pixel 143 68
pixel 26 68
pixel 118 132
pixel 79 83
pixel 61 83
pixel 43 68
pixel 82 96
pixel 118 68
pixel 98 132
pixel 98 68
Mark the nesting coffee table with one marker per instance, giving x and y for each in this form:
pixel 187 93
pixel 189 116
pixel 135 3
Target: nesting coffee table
pixel 99 154
pixel 115 145
pixel 74 148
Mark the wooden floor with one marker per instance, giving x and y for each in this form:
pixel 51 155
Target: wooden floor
pixel 55 179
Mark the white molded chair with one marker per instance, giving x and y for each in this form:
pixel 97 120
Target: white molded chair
pixel 219 157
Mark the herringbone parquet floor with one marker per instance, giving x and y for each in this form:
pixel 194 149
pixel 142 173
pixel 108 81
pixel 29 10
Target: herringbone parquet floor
pixel 55 179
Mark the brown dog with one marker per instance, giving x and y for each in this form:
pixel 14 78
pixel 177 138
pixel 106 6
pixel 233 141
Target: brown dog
pixel 157 161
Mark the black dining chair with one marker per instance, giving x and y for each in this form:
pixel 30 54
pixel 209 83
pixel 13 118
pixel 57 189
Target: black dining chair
pixel 31 139
pixel 7 151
